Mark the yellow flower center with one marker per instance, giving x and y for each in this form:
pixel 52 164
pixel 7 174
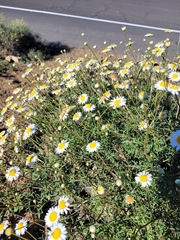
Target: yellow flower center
pixel 143 178
pixel 116 85
pixel 30 158
pixel 163 84
pixel 9 121
pixel 12 172
pixel 117 102
pixel 82 98
pixel 62 204
pixel 178 139
pixel 173 87
pixel 70 83
pixel 142 124
pixel 53 216
pixel 66 75
pixel 56 234
pixel 162 114
pixel 20 108
pixel 88 105
pixel 28 130
pixel 61 145
pixel 174 75
pixel 32 94
pixel 1 226
pixel 92 145
pixel 129 199
pixel 124 71
pixel 76 115
pixel 106 94
pixel 8 232
pixel 128 64
pixel 20 226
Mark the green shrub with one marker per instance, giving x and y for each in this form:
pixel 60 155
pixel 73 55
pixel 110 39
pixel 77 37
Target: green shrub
pixel 95 139
pixel 17 38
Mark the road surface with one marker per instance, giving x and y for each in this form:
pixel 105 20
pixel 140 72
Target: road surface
pixel 100 20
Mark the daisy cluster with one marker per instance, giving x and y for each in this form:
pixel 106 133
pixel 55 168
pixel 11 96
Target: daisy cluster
pixel 99 131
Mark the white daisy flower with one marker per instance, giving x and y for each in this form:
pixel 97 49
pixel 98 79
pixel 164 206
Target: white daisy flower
pixel 43 86
pixel 93 64
pixel 8 104
pixel 9 98
pixel 56 91
pixel 10 121
pixel 3 139
pixel 63 204
pixel 31 129
pixel 124 85
pixel 174 89
pixel 123 72
pixel 129 199
pixel 1 119
pixel 11 128
pixel 58 232
pixel 32 95
pixel 128 64
pixel 16 150
pixel 144 106
pixel 17 90
pixel 77 116
pixel 13 106
pixel 163 115
pixel 66 76
pixel 3 226
pixel 143 95
pixel 12 173
pixel 1 151
pixel 71 83
pixel 16 137
pixel 143 125
pixel 161 85
pixel 21 227
pixel 93 146
pixel 175 139
pixel 31 159
pixel 144 178
pixel 148 35
pixel 107 94
pixel 83 98
pixel 52 216
pixel 117 102
pixel 100 190
pixel 62 146
pixel 112 46
pixel 28 114
pixel 159 52
pixel 105 50
pixel 89 107
pixel 172 66
pixel 64 114
pixel 4 110
pixel 21 109
pixel 159 44
pixel 174 76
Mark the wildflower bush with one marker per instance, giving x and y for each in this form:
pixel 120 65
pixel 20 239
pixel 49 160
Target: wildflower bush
pixel 90 149
pixel 18 39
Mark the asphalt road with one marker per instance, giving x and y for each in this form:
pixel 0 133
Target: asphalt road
pixel 138 15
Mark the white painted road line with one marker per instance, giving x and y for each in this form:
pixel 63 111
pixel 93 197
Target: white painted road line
pixel 88 18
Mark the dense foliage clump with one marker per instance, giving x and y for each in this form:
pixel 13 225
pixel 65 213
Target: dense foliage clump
pixel 90 149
